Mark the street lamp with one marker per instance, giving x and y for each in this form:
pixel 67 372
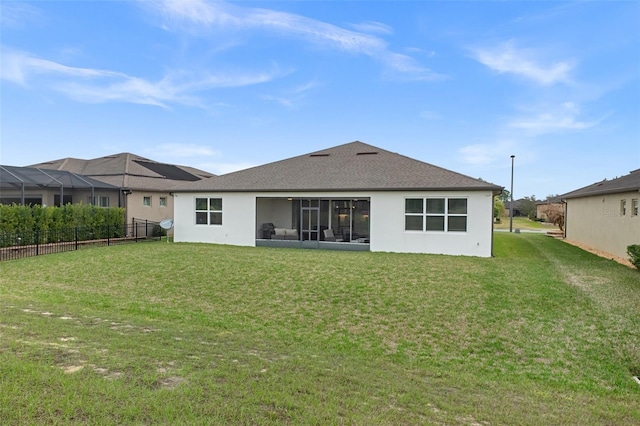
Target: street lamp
pixel 511 205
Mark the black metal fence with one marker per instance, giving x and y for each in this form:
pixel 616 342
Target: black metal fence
pixel 38 242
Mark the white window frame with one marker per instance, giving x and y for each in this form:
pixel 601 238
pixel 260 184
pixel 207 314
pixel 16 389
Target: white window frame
pixel 144 201
pixel 634 207
pixel 623 207
pixel 162 202
pixel 446 215
pixel 98 201
pixel 208 213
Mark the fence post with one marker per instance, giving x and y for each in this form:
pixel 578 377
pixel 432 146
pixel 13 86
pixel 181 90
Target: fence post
pixel 76 237
pixel 37 242
pixel 108 235
pixel 146 228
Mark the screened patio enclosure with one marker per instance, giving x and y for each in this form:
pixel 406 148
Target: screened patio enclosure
pixel 338 223
pixel 30 185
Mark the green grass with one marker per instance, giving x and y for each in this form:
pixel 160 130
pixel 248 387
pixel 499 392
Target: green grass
pixel 525 224
pixel 544 333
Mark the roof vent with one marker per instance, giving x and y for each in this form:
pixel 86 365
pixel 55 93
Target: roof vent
pixel 318 155
pixel 367 153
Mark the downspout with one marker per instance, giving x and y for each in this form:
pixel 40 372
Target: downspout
pixel 125 203
pixel 566 210
pixel 492 218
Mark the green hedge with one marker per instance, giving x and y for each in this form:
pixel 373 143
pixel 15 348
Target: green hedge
pixel 31 223
pixel 634 254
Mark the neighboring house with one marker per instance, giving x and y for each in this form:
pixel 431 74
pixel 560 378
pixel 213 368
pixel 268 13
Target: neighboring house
pixel 350 197
pixel 30 185
pixel 144 184
pixel 543 207
pixel 604 216
pixel 515 205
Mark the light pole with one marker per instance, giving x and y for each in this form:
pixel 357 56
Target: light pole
pixel 511 205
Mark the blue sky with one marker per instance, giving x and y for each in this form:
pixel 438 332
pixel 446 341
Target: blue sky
pixel 227 85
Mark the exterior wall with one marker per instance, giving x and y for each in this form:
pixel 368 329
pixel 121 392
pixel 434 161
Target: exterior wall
pixel 155 212
pixel 388 234
pixel 596 222
pixel 238 220
pixel 387 219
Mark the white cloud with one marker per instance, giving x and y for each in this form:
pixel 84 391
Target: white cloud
pixel 553 119
pixel 372 27
pixel 98 86
pixel 293 97
pixel 506 58
pixel 208 16
pixel 422 52
pixel 15 14
pixel 484 154
pixel 16 66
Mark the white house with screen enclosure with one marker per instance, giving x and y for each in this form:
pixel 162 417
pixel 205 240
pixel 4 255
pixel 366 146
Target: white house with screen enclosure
pixel 351 197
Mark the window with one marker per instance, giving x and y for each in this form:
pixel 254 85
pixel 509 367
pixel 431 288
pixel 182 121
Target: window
pixel 623 207
pixel 208 211
pixel 413 214
pixel 162 202
pixel 634 207
pixel 435 214
pixel 100 201
pixel 146 201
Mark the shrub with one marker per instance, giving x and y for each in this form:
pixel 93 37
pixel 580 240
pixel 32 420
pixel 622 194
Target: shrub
pixel 158 231
pixel 28 222
pixel 634 254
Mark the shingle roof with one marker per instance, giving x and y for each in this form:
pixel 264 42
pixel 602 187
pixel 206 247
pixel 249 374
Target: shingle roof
pixel 627 183
pixel 352 166
pixel 127 170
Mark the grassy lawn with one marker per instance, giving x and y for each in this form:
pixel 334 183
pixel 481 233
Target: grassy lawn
pixel 525 224
pixel 157 333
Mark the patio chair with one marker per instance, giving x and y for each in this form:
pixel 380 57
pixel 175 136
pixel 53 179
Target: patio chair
pixel 329 236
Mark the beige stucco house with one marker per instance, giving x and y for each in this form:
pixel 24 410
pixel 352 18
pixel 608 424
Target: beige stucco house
pixel 543 207
pixel 144 184
pixel 605 215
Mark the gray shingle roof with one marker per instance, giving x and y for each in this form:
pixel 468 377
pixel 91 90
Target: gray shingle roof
pixel 626 183
pixel 128 171
pixel 352 166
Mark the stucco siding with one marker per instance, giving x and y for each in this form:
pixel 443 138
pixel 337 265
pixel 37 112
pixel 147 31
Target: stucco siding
pixel 238 220
pixel 154 212
pixel 597 222
pixel 387 221
pixel 388 233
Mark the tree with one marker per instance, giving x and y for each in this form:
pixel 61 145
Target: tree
pixel 505 196
pixel 527 206
pixel 555 215
pixel 498 208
